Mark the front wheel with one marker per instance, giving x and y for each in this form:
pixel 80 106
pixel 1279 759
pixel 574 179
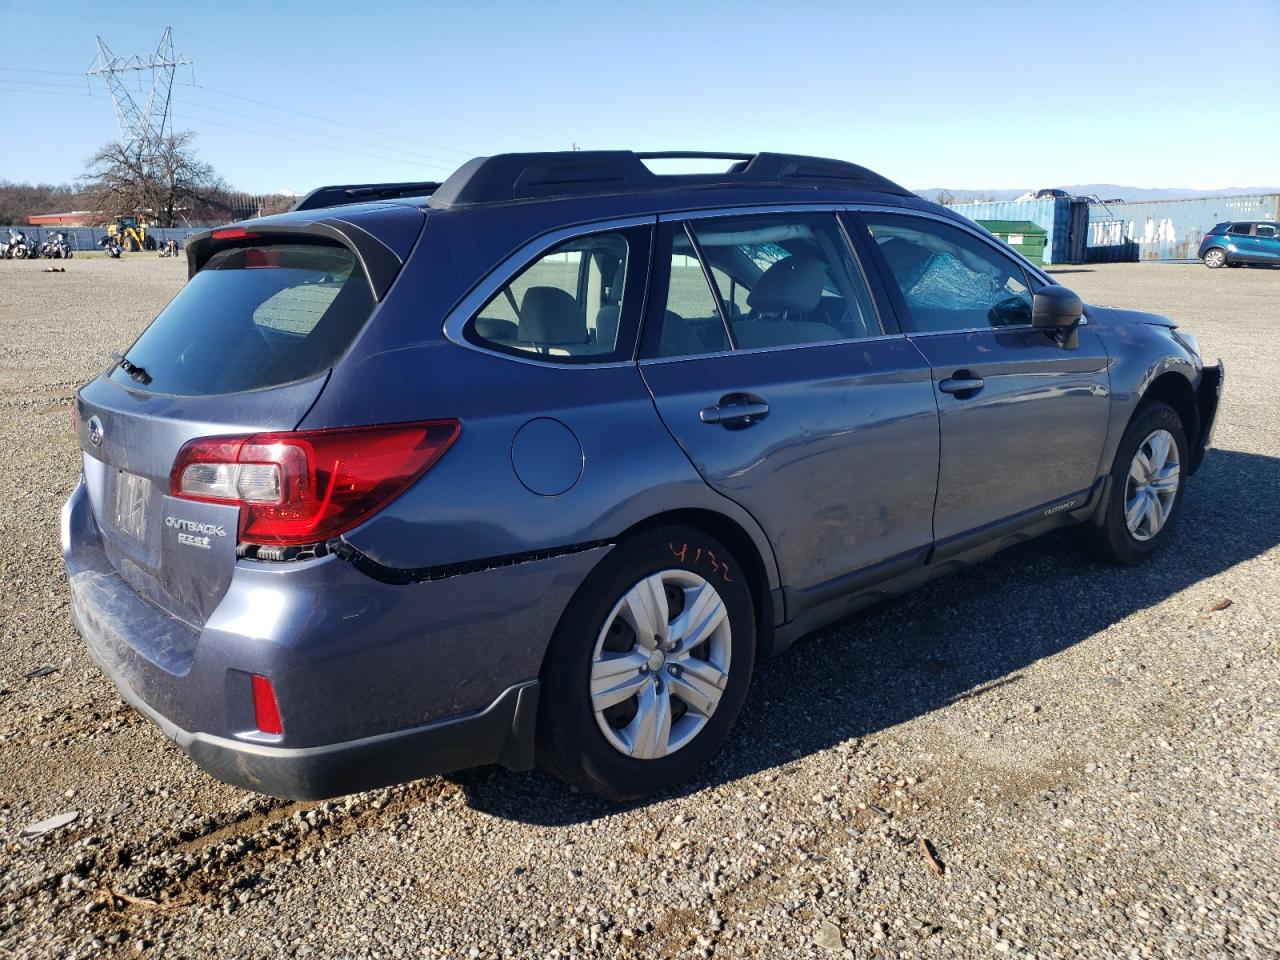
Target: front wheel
pixel 1147 482
pixel 1215 258
pixel 649 667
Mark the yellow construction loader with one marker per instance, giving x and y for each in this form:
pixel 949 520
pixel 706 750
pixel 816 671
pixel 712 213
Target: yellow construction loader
pixel 131 234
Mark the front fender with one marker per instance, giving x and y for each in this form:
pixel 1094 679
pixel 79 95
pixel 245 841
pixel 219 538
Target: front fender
pixel 1141 354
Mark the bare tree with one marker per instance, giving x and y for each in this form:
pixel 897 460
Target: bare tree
pixel 158 179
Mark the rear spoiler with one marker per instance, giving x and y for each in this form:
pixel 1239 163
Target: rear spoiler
pixel 380 263
pixel 336 195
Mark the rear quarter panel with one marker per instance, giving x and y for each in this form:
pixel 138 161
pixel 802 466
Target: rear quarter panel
pixel 471 505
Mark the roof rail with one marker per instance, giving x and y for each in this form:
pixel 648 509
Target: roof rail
pixel 337 195
pixel 527 176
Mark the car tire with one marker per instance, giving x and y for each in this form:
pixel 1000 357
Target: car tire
pixel 1215 257
pixel 1140 511
pixel 600 725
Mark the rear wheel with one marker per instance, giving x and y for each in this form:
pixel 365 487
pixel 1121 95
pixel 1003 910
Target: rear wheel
pixel 649 667
pixel 1215 258
pixel 1146 485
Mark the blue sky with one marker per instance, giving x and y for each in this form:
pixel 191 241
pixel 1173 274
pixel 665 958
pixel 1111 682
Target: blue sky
pixel 929 92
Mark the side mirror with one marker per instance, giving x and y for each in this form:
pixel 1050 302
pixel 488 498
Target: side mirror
pixel 1054 307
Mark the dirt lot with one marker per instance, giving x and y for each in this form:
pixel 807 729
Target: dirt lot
pixel 1091 753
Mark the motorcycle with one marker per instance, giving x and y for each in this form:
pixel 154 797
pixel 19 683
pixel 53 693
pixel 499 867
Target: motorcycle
pixel 56 247
pixel 112 246
pixel 17 248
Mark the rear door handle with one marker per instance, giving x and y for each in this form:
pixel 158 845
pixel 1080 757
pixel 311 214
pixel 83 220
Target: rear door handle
pixel 735 410
pixel 962 385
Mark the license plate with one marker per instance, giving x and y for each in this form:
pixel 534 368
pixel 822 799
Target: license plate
pixel 132 494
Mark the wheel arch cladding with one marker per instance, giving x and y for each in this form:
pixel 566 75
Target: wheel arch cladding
pixel 1175 389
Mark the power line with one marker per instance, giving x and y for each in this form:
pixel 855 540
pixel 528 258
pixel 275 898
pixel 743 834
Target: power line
pixel 56 73
pixel 450 164
pixel 43 83
pixel 49 93
pixel 337 123
pixel 312 143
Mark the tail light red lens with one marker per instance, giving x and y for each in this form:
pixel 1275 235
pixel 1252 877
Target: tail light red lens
pixel 266 711
pixel 306 486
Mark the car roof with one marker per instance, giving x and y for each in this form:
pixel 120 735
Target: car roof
pixel 511 178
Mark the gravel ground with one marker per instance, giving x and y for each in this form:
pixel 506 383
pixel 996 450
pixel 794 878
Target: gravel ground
pixel 1089 754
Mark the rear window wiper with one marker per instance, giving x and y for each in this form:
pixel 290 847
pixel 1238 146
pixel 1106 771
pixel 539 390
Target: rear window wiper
pixel 134 371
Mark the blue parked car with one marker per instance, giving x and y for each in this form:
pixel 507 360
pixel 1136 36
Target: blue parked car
pixel 534 465
pixel 1235 244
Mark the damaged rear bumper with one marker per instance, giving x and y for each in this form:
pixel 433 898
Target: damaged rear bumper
pixel 377 683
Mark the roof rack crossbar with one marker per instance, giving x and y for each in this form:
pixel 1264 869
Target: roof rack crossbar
pixel 693 155
pixel 338 194
pixel 528 176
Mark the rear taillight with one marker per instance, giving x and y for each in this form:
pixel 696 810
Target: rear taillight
pixel 307 486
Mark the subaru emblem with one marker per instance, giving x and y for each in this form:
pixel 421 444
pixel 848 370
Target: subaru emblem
pixel 95 431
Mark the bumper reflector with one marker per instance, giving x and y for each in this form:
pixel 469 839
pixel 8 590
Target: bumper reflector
pixel 266 711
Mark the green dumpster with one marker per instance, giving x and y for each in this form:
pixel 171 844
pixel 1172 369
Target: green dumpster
pixel 1028 238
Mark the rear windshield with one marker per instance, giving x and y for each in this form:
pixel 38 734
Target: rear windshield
pixel 253 317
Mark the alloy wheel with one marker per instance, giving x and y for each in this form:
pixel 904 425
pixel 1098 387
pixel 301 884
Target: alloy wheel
pixel 660 665
pixel 1152 485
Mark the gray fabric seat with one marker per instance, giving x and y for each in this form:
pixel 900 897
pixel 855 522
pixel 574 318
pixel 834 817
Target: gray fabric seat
pixel 782 301
pixel 550 317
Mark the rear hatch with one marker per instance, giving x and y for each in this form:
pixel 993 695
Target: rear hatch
pixel 244 348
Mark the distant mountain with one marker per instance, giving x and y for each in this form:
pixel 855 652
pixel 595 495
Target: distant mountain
pixel 1103 191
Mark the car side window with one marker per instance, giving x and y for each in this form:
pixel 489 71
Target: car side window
pixel 1240 229
pixel 568 305
pixel 949 278
pixel 690 323
pixel 778 279
pixel 1265 230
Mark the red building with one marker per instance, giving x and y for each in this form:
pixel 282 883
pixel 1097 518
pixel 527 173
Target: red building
pixel 76 218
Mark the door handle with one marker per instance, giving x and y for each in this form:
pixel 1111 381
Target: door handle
pixel 962 385
pixel 735 410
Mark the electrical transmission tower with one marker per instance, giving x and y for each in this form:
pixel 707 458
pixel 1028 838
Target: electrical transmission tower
pixel 141 127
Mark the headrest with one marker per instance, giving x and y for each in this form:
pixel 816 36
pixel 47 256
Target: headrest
pixel 550 316
pixel 793 285
pixel 905 258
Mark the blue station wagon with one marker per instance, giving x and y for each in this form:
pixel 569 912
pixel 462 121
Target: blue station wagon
pixel 535 465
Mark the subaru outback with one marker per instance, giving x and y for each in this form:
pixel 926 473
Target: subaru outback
pixel 535 465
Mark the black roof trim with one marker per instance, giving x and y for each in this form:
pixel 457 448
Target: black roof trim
pixel 528 176
pixel 337 195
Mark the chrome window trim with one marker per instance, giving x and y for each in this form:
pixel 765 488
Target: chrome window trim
pixel 455 322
